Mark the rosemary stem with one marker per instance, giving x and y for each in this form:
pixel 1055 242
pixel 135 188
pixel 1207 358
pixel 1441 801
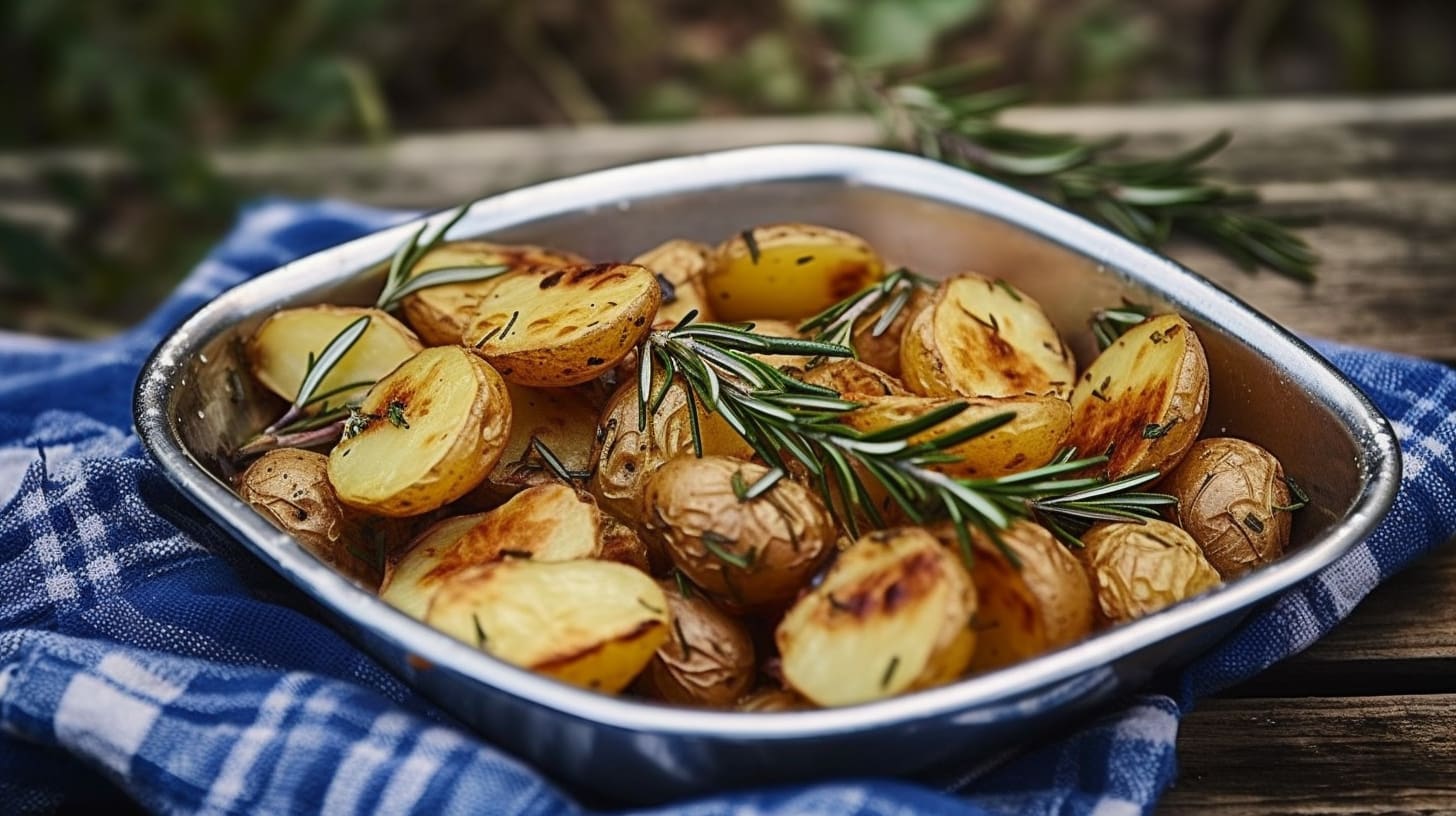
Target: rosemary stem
pixel 268 440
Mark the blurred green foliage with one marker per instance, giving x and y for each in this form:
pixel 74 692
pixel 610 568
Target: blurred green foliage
pixel 161 83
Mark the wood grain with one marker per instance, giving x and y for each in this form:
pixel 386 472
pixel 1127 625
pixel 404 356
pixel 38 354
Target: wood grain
pixel 1317 755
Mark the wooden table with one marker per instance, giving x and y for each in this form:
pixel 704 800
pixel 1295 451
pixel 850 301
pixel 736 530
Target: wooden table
pixel 1365 721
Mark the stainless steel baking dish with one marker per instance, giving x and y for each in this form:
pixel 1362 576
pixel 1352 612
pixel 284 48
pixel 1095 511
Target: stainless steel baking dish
pixel 1267 386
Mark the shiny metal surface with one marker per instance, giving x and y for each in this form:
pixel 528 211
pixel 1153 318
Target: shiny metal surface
pixel 1267 386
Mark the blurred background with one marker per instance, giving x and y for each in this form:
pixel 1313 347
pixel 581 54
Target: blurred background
pixel 110 189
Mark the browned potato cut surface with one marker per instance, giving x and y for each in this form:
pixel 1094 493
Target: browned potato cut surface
pixel 883 350
pixel 707 659
pixel 1143 399
pixel 549 522
pixel 565 326
pixel 593 624
pixel 291 489
pixel 683 265
pixel 278 352
pixel 893 614
pixel 1032 439
pixel 789 271
pixel 424 436
pixel 562 419
pixel 754 552
pixel 1234 501
pixel 1041 602
pixel 440 314
pixel 853 379
pixel 1137 569
pixel 984 338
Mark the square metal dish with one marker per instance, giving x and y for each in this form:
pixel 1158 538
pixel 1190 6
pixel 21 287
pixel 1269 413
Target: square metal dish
pixel 1266 386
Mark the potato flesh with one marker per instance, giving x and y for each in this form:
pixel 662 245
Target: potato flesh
pixel 789 272
pixel 456 419
pixel 1138 569
pixel 593 624
pixel 278 352
pixel 440 314
pixel 984 338
pixel 1030 440
pixel 893 614
pixel 563 327
pixel 563 420
pixel 549 522
pixel 684 265
pixel 1229 493
pixel 1143 399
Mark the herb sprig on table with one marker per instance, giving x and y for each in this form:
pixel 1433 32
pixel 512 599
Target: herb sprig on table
pixel 943 115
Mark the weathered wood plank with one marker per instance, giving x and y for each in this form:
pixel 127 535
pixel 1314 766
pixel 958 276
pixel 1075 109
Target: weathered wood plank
pixel 1317 756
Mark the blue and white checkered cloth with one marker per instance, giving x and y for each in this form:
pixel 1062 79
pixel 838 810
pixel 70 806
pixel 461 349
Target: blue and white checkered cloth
pixel 143 654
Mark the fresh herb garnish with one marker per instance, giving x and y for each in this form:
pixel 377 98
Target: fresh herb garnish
pixel 1110 324
pixel 400 282
pixel 395 413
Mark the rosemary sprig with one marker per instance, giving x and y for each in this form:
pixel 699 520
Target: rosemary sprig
pixel 794 425
pixel 399 283
pixel 941 117
pixel 835 324
pixel 296 428
pixel 1111 323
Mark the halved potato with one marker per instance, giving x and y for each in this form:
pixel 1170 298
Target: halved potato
pixel 892 615
pixel 1029 441
pixel 1144 399
pixel 593 624
pixel 883 350
pixel 984 338
pixel 290 488
pixel 565 326
pixel 754 553
pixel 549 522
pixel 789 271
pixel 1137 569
pixel 278 352
pixel 424 436
pixel 707 659
pixel 562 419
pixel 852 379
pixel 1042 602
pixel 626 458
pixel 440 314
pixel 682 265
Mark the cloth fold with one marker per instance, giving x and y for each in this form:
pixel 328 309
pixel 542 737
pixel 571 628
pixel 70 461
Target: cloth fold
pixel 145 655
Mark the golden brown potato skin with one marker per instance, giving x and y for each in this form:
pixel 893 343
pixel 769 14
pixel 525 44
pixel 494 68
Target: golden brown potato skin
pixel 1030 440
pixel 440 314
pixel 684 265
pixel 562 419
pixel 290 488
pixel 851 379
pixel 1144 398
pixel 782 536
pixel 1229 493
pixel 883 350
pixel 708 658
pixel 1137 569
pixel 769 699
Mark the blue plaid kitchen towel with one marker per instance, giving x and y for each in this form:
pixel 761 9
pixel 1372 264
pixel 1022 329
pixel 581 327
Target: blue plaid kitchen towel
pixel 143 654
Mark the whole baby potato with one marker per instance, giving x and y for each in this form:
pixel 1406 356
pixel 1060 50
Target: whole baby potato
pixel 1138 569
pixel 707 659
pixel 769 699
pixel 1234 501
pixel 755 553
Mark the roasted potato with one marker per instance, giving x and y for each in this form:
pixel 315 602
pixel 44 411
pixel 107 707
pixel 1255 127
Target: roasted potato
pixel 1041 602
pixel 883 350
pixel 440 314
pixel 562 327
pixel 893 614
pixel 772 699
pixel 425 435
pixel 852 379
pixel 621 543
pixel 681 267
pixel 707 659
pixel 561 419
pixel 625 458
pixel 279 352
pixel 549 522
pixel 1137 569
pixel 1144 399
pixel 779 328
pixel 1234 501
pixel 594 624
pixel 1030 440
pixel 755 553
pixel 789 271
pixel 291 489
pixel 984 338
